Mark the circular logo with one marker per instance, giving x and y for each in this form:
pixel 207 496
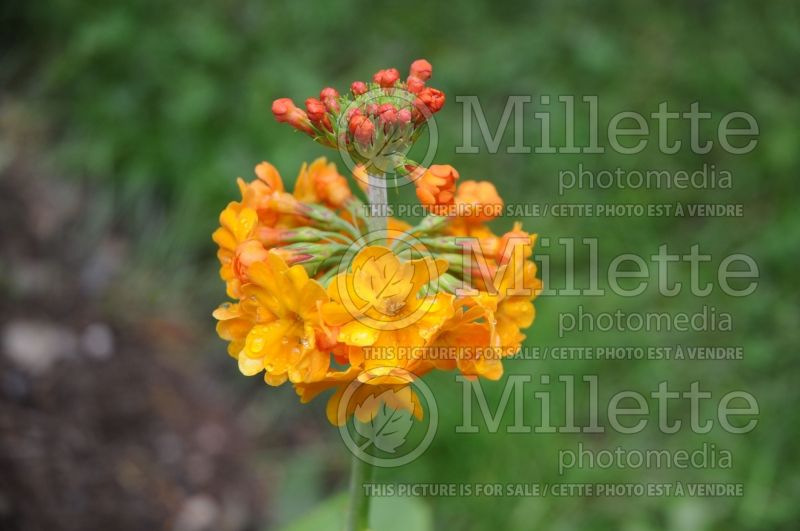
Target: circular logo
pixel 382 289
pixel 388 434
pixel 388 151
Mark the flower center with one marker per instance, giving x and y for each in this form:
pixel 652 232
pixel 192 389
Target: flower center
pixel 392 306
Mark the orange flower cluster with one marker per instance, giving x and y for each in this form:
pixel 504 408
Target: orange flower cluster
pixel 313 307
pixel 320 301
pixel 372 116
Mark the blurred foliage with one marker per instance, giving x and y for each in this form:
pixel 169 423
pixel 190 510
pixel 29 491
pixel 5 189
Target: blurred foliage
pixel 161 104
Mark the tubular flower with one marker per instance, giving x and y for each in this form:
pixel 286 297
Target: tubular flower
pixel 436 186
pixel 364 400
pixel 319 182
pixel 477 202
pixel 508 307
pixel 464 343
pixel 314 306
pixel 284 346
pixel 257 194
pixel 379 305
pixel 237 247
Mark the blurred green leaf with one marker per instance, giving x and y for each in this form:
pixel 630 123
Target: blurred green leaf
pixel 386 514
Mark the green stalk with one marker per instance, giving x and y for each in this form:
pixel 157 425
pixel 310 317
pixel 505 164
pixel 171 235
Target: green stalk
pixel 358 513
pixel 360 471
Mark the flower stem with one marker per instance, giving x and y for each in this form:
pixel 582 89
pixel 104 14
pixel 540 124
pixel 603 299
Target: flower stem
pixel 358 513
pixel 360 471
pixel 378 203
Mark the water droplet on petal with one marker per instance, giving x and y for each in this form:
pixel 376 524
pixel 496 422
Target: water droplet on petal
pixel 257 344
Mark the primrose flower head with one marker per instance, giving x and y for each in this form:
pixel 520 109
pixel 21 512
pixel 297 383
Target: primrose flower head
pixel 327 301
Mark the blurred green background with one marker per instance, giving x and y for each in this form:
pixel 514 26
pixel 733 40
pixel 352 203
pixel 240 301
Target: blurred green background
pixel 124 126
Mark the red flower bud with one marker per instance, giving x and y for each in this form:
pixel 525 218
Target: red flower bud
pixel 414 84
pixel 403 116
pixel 286 111
pixel 316 110
pixel 329 97
pixel 355 111
pixel 363 129
pixel 421 69
pixel 431 98
pixel 317 113
pixel 358 88
pixel 386 78
pixel 387 114
pixel 328 92
pixel 355 120
pixel 372 109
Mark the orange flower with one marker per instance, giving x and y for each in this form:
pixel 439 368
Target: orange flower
pixel 515 240
pixel 235 322
pixel 257 194
pixel 477 202
pixel 238 249
pixel 379 305
pixel 465 343
pixel 363 399
pixel 508 308
pixel 269 175
pixel 281 306
pixel 435 186
pixel 321 183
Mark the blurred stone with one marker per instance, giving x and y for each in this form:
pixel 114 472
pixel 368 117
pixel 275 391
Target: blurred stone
pixel 97 340
pixel 199 513
pixel 36 346
pixel 211 438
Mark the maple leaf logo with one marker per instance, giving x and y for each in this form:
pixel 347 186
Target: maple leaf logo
pixel 387 428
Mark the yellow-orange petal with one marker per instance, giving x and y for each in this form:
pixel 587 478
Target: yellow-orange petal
pixel 358 334
pixel 249 366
